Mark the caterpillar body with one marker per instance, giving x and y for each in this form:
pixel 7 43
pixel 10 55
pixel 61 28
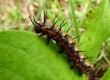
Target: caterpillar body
pixel 66 43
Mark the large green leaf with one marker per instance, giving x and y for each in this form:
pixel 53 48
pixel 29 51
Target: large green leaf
pixel 24 56
pixel 97 25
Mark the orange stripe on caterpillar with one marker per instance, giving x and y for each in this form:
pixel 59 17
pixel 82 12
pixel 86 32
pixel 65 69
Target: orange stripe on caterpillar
pixel 66 43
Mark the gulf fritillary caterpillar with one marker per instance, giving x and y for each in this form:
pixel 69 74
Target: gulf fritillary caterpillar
pixel 66 43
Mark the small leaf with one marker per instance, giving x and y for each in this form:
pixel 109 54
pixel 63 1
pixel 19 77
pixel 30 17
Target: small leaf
pixel 106 75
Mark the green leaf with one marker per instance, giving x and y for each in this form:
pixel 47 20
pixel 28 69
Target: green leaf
pixel 97 26
pixel 25 56
pixel 106 75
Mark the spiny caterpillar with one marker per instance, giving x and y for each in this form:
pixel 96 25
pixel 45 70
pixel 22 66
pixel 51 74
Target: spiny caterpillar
pixel 66 43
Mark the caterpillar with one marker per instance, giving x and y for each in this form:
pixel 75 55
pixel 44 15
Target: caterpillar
pixel 66 43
